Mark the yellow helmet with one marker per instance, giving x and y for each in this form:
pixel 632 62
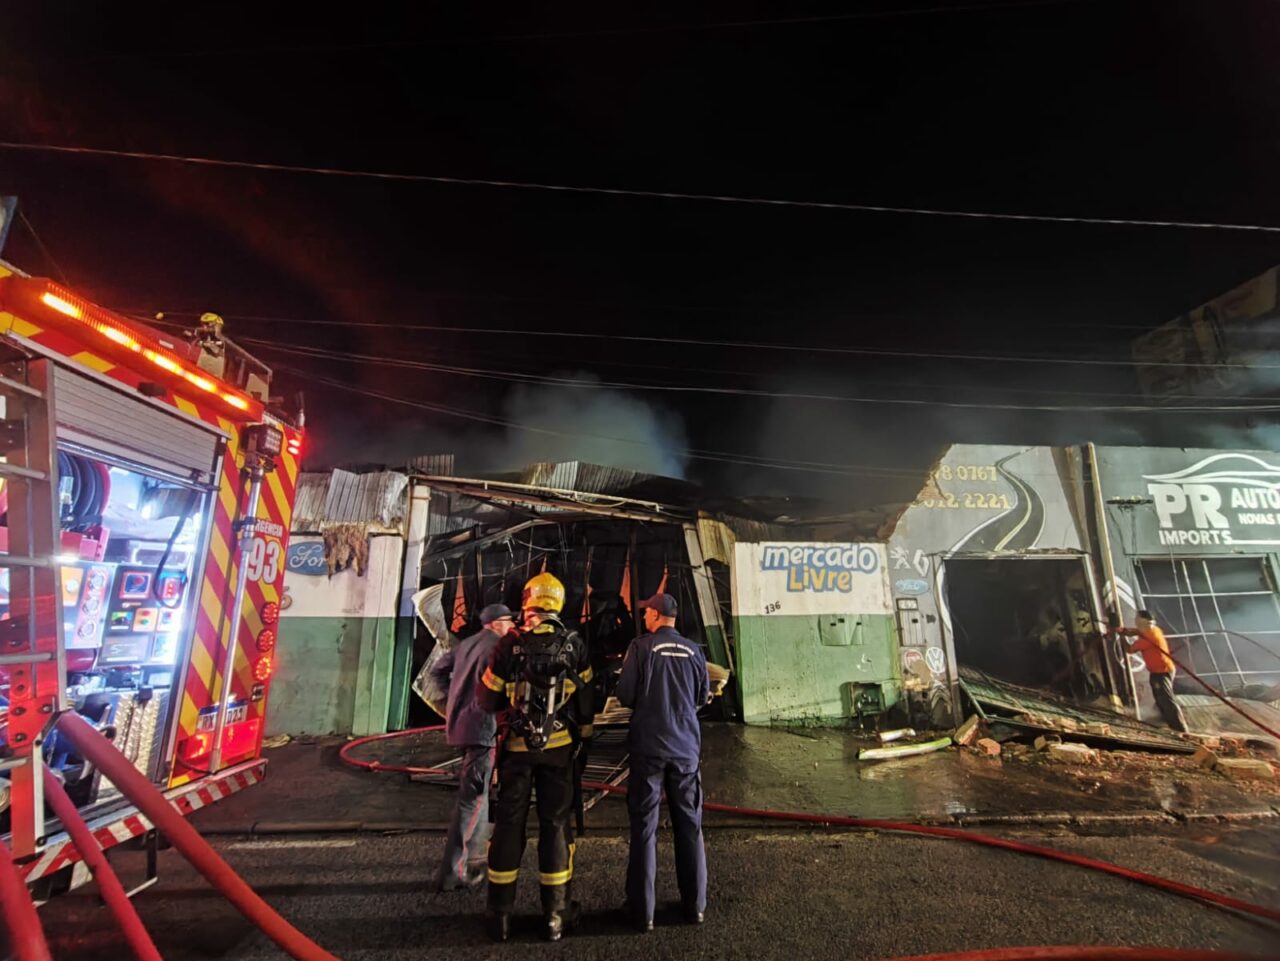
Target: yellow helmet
pixel 543 593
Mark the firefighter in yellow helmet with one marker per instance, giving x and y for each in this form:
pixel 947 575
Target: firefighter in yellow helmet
pixel 539 682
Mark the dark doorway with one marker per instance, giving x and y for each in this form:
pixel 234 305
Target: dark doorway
pixel 1027 621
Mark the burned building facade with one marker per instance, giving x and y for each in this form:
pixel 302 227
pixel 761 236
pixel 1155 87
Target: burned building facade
pixel 1013 562
pixel 1005 574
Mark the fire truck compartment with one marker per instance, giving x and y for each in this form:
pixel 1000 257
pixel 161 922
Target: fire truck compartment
pixel 134 502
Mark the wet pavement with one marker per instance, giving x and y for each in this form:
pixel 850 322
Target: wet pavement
pixel 348 856
pixel 809 770
pixel 781 894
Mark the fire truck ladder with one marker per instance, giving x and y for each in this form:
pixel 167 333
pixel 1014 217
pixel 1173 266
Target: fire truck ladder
pixel 32 653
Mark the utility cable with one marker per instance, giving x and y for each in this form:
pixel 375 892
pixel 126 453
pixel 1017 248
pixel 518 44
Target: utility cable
pixel 625 192
pixel 292 346
pixel 790 348
pixel 579 384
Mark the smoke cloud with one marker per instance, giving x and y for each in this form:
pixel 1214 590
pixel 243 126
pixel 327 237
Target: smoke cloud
pixel 595 425
pixel 552 424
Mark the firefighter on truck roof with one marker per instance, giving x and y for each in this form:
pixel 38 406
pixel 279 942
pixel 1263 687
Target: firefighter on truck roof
pixel 540 684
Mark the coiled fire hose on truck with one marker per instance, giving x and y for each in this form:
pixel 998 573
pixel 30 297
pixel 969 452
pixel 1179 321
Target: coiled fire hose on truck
pixel 876 824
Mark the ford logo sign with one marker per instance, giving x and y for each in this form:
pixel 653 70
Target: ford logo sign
pixel 911 587
pixel 307 558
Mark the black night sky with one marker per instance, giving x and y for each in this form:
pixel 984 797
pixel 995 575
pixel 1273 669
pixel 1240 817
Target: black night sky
pixel 1141 109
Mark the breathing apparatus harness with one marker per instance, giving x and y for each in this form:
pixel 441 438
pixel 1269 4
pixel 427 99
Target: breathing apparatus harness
pixel 547 657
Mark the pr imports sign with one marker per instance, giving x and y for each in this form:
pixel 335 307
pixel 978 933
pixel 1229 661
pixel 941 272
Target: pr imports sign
pixel 784 579
pixel 1192 500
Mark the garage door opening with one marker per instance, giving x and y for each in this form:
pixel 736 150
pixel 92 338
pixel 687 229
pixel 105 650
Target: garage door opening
pixel 1027 621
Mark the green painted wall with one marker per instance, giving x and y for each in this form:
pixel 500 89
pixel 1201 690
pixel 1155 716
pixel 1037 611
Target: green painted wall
pixel 335 668
pixel 335 675
pixel 795 669
pixel 401 675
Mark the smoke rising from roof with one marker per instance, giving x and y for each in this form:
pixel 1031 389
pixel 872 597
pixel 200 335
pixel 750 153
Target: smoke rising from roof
pixel 549 424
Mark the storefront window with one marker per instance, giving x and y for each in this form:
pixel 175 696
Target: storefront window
pixel 1222 619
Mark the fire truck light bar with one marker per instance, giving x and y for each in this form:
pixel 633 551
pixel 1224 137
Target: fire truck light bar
pixel 16 291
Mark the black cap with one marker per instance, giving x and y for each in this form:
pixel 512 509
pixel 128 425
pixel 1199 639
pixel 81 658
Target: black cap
pixel 494 612
pixel 664 604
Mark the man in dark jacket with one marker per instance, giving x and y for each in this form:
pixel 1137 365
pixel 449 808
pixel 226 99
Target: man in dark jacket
pixel 664 681
pixel 470 727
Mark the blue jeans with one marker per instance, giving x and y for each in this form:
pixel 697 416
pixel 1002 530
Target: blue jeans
pixel 683 784
pixel 469 828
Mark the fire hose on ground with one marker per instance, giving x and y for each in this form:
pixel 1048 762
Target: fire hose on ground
pixel 876 824
pixel 109 885
pixel 121 772
pixel 1223 698
pixel 26 937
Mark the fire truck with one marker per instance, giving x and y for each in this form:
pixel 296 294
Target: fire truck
pixel 146 487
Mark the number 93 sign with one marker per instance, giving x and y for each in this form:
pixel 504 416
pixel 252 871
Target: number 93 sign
pixel 262 563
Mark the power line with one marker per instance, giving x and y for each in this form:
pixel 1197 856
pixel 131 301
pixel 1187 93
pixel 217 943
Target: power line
pixel 624 31
pixel 292 346
pixel 268 344
pixel 597 304
pixel 625 192
pixel 510 376
pixel 44 251
pixel 807 348
pixel 756 345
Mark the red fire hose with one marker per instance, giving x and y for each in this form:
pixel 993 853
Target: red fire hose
pixel 1223 698
pixel 108 884
pixel 29 943
pixel 26 937
pixel 117 768
pixel 1163 884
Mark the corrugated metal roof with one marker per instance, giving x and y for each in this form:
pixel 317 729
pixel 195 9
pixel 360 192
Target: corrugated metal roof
pixel 598 479
pixel 435 465
pixel 341 497
pixel 313 488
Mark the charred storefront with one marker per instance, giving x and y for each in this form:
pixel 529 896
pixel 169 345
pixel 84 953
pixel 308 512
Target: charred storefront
pixel 612 536
pixel 1010 566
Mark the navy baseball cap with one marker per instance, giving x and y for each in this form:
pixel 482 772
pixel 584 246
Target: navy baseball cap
pixel 664 604
pixel 495 612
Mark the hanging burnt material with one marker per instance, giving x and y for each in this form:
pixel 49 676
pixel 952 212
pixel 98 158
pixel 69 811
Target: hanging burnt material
pixel 346 546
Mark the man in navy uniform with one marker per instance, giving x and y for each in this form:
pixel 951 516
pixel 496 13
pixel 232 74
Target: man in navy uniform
pixel 472 728
pixel 664 681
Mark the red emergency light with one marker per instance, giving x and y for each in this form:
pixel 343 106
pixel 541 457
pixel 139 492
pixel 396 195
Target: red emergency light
pixel 44 302
pixel 294 446
pixel 266 642
pixel 262 670
pixel 197 746
pixel 238 739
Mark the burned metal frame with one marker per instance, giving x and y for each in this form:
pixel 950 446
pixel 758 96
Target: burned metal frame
pixel 948 630
pixel 498 512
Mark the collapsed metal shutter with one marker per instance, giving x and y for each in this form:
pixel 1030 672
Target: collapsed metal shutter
pixel 93 415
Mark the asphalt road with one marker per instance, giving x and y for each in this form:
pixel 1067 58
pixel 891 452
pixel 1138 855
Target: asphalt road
pixel 774 894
